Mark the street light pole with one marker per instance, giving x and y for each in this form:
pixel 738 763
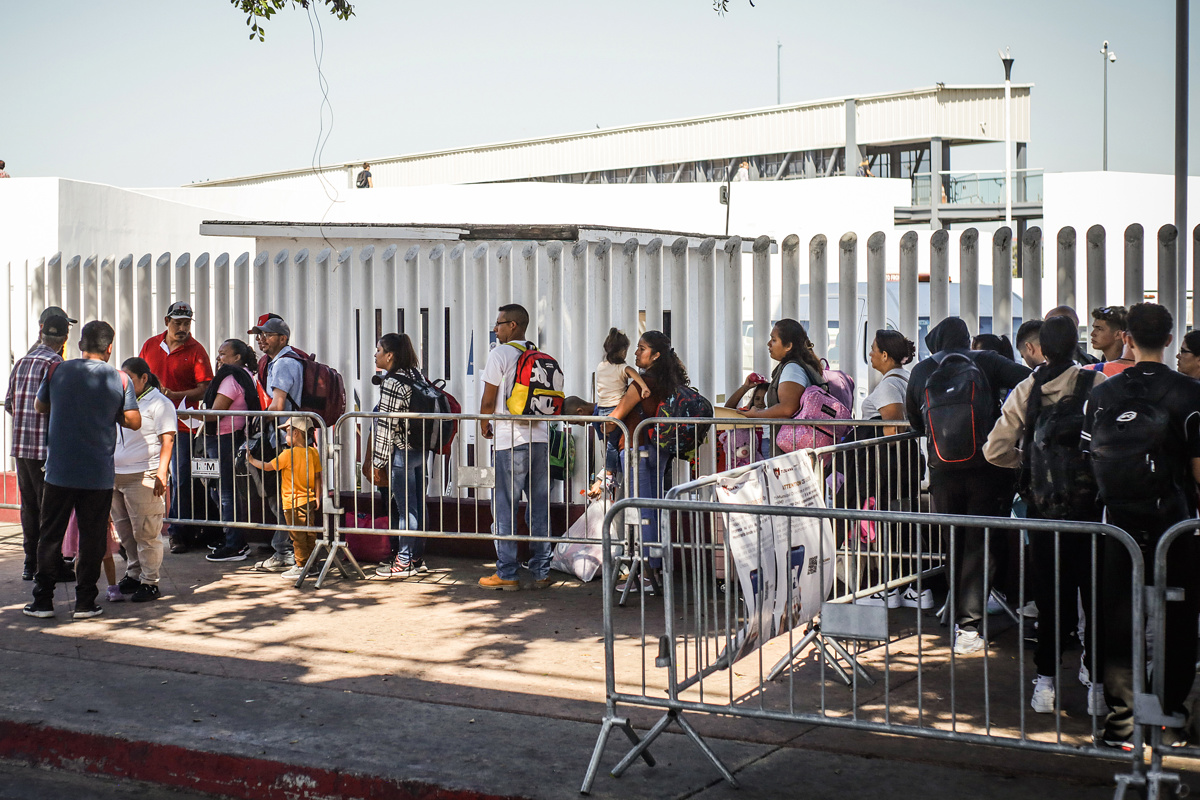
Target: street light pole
pixel 1007 59
pixel 778 61
pixel 1109 57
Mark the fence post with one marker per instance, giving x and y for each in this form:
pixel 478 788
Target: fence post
pixel 278 277
pixel 502 287
pixel 732 318
pixel 262 288
pixel 436 368
pixel 939 277
pixel 183 280
pixel 818 294
pixel 125 309
pixel 761 299
pixel 848 303
pixel 202 326
pixel 221 298
pixel 309 305
pixel 1135 264
pixel 1067 271
pixel 1031 276
pixel 706 317
pixel 579 368
pixel 54 292
pixel 680 315
pixel 108 300
pixel 242 313
pixel 909 324
pixel 344 341
pixel 411 294
pixel 1002 282
pixel 789 277
pixel 74 306
pixel 366 326
pixel 600 314
pixel 456 274
pixel 389 294
pixel 625 290
pixel 527 290
pixel 322 292
pixel 555 335
pixel 37 292
pixel 1097 272
pixel 91 300
pixel 1168 267
pixel 145 302
pixel 652 273
pixel 876 293
pixel 968 282
pixel 482 315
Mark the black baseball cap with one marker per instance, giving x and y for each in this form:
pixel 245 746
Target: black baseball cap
pixel 54 311
pixel 56 325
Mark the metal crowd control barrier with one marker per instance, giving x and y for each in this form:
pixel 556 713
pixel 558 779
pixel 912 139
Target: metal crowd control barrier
pixel 213 485
pixel 1172 604
pixel 709 652
pixel 456 488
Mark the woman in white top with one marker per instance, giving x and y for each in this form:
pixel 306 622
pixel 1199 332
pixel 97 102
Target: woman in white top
pixel 798 368
pixel 143 467
pixel 890 351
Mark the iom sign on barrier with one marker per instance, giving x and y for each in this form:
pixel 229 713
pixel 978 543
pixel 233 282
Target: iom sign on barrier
pixel 784 564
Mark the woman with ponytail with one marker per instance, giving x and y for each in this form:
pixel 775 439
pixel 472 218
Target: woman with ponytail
pixel 233 388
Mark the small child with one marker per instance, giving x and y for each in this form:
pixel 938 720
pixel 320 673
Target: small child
pixel 613 377
pixel 743 447
pixel 299 487
pixel 70 549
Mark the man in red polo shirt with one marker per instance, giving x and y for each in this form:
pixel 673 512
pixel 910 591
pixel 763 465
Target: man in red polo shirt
pixel 184 369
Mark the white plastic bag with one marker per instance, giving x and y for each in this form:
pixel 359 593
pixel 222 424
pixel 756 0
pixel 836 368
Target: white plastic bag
pixel 584 561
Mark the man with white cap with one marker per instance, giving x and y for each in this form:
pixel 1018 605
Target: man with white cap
pixel 183 367
pixel 30 427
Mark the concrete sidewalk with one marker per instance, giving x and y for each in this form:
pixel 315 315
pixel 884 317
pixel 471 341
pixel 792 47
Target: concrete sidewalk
pixel 239 685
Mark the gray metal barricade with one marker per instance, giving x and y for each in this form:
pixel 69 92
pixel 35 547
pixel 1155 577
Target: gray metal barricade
pixel 458 487
pixel 206 463
pixel 1171 605
pixel 708 650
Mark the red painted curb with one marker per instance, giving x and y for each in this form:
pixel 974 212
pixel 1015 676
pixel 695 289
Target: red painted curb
pixel 215 773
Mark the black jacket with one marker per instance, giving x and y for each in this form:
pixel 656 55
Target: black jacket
pixel 951 334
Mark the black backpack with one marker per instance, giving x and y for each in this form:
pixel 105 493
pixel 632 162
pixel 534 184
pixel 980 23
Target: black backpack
pixel 427 398
pixel 1136 470
pixel 959 409
pixel 361 183
pixel 1055 477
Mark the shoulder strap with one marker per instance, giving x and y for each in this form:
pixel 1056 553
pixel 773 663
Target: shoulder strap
pixel 520 347
pixel 1084 382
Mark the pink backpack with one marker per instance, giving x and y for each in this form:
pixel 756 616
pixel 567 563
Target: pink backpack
pixel 816 404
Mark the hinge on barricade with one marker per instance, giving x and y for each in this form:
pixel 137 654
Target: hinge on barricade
pixel 1147 710
pixel 1171 594
pixel 663 659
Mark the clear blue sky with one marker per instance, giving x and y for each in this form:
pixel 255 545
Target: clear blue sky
pixel 141 93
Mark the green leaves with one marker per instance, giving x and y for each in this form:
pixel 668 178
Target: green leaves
pixel 263 10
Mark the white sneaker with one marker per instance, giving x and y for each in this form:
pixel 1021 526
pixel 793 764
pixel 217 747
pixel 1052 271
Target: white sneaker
pixel 1097 706
pixel 914 599
pixel 890 599
pixel 1043 694
pixel 967 642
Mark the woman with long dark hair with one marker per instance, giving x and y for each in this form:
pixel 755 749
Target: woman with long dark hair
pixel 664 374
pixel 798 369
pixel 233 388
pixel 398 453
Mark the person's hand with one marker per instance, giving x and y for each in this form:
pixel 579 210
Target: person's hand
pixel 160 485
pixel 645 392
pixel 485 428
pixel 379 476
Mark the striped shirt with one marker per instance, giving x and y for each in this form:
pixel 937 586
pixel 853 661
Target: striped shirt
pixel 29 427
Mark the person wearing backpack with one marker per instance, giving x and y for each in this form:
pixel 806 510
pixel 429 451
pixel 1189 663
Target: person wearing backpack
pixel 364 179
pixel 1142 432
pixel 1038 433
pixel 398 453
pixel 521 457
pixel 953 401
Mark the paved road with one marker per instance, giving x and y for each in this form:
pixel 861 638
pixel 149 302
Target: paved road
pixel 22 782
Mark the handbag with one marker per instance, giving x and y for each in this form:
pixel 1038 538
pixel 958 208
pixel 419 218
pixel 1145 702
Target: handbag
pixel 816 404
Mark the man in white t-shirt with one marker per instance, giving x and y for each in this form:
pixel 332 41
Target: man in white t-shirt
pixel 522 459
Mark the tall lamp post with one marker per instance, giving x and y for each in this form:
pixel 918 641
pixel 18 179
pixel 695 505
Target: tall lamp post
pixel 1109 57
pixel 1007 59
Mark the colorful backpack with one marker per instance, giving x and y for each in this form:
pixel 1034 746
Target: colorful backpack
pixel 681 439
pixel 538 384
pixel 562 452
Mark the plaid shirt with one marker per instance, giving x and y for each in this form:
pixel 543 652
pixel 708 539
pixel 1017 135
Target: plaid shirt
pixel 391 434
pixel 29 427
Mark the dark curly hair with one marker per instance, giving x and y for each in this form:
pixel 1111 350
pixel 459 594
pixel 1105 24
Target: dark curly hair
pixel 896 345
pixel 667 372
pixel 792 332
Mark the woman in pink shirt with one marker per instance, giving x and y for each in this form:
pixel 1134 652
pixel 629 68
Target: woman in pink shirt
pixel 233 388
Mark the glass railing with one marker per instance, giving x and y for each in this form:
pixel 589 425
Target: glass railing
pixel 978 188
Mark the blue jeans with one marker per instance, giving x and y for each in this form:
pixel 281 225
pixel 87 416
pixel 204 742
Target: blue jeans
pixel 612 444
pixel 408 503
pixel 523 469
pixel 652 470
pixel 223 448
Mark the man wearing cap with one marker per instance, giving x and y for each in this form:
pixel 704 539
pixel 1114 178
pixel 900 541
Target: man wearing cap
pixel 183 367
pixel 29 426
pixel 260 339
pixel 51 311
pixel 284 383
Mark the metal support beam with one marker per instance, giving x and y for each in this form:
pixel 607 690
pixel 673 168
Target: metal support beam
pixel 783 165
pixel 935 183
pixel 852 154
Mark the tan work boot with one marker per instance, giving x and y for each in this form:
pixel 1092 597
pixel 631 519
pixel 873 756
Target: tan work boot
pixel 494 581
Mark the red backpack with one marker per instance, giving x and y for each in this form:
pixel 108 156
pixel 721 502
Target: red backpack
pixel 537 385
pixel 323 392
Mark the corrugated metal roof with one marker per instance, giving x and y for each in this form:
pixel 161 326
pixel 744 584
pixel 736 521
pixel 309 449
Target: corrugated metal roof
pixel 959 114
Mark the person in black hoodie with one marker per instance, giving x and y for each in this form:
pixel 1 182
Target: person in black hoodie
pixel 973 487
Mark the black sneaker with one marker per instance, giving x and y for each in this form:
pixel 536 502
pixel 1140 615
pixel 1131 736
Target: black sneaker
pixel 229 554
pixel 128 585
pixel 27 574
pixel 145 593
pixel 87 612
pixel 178 546
pixel 42 609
